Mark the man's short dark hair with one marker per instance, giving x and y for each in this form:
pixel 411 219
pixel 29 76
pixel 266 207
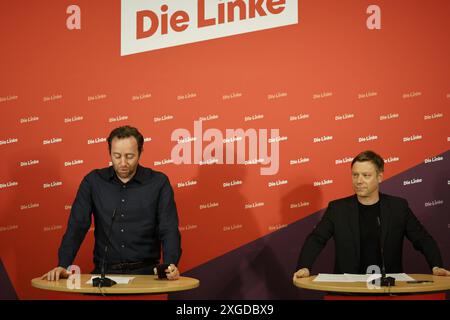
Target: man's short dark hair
pixel 126 132
pixel 371 156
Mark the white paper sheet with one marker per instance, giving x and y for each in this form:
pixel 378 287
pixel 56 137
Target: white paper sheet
pixel 400 276
pixel 364 277
pixel 118 280
pixel 347 277
pixel 326 277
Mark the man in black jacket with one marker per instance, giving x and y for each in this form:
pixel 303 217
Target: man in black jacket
pixel 364 223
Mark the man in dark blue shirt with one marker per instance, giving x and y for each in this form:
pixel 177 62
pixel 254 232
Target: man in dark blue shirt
pixel 134 214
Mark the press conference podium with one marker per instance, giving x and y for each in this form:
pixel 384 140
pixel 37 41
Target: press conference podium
pixel 361 291
pixel 141 284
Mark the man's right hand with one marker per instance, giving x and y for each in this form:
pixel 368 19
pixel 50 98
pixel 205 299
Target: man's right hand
pixel 302 273
pixel 55 274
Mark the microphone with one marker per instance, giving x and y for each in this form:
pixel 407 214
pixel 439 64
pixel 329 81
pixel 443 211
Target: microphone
pixel 102 281
pixel 385 281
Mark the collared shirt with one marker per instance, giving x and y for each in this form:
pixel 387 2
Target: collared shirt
pixel 145 217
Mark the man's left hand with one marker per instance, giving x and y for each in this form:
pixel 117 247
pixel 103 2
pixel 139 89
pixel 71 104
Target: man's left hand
pixel 441 272
pixel 172 272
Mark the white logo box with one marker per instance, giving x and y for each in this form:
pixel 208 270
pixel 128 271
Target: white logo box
pixel 277 13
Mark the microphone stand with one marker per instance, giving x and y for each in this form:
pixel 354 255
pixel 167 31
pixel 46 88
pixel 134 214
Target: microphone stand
pixel 384 281
pixel 102 281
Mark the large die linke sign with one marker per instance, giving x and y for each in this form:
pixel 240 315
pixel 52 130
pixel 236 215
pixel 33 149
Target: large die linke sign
pixel 155 24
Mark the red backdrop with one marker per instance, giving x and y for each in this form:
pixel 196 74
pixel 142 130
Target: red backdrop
pixel 71 84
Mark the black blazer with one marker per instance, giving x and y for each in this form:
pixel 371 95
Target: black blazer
pixel 341 221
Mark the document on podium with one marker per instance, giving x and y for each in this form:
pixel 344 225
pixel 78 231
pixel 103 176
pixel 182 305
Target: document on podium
pixel 118 280
pixel 347 277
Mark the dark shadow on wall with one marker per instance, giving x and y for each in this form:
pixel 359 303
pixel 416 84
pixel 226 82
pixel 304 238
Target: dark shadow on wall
pixel 263 268
pixel 210 236
pixel 435 218
pixel 7 291
pixel 420 197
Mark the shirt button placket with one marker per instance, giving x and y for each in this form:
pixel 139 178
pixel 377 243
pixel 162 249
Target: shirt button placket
pixel 122 210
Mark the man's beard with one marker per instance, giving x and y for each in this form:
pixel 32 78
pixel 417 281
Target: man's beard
pixel 125 173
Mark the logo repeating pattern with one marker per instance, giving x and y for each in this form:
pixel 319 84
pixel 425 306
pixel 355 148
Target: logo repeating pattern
pixel 309 95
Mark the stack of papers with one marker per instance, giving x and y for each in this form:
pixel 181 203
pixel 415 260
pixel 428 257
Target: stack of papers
pixel 347 277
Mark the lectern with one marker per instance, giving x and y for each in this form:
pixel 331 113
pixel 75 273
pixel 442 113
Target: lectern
pixel 433 289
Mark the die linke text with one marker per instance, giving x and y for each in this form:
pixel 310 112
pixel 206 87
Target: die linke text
pixel 165 21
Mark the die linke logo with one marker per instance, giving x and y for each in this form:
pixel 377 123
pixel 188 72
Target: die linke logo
pixel 154 24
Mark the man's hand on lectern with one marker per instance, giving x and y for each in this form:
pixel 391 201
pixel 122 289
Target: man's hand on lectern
pixel 55 274
pixel 302 273
pixel 172 272
pixel 441 272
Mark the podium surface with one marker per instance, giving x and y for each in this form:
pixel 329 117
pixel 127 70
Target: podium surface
pixel 439 284
pixel 141 284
